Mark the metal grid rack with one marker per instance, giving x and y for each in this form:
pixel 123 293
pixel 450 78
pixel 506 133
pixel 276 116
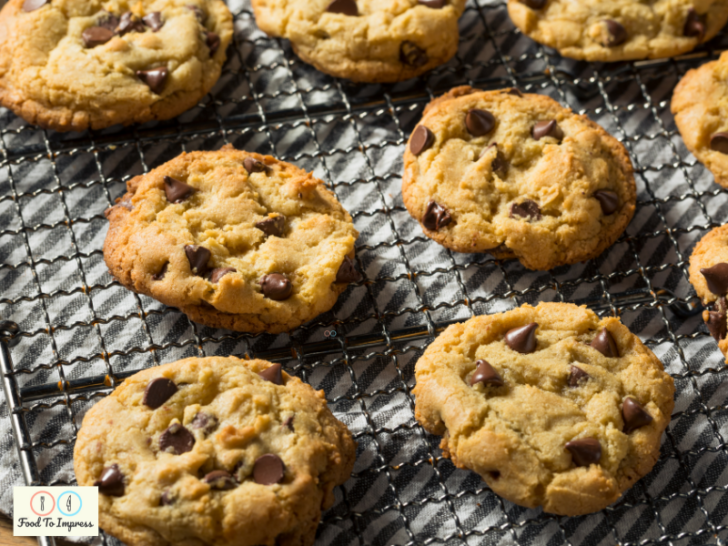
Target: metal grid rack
pixel 79 333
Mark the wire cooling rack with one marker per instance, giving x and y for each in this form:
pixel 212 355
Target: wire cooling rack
pixel 75 333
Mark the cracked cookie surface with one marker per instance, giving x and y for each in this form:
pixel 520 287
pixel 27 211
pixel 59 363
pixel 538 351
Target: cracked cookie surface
pixel 233 239
pixel 218 451
pixel 516 175
pixel 80 64
pixel 566 413
pixel 366 40
pixel 619 30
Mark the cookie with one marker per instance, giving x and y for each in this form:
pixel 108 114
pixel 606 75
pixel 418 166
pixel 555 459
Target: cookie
pixel 366 40
pixel 71 65
pixel 709 277
pixel 233 239
pixel 518 176
pixel 551 405
pixel 619 30
pixel 213 451
pixel 700 106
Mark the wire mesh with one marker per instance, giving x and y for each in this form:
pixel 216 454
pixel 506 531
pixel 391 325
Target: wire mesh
pixel 80 333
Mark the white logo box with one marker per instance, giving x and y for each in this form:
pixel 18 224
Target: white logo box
pixel 56 511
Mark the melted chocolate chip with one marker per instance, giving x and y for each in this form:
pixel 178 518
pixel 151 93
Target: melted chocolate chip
pixel 176 190
pixel 347 272
pixel 535 4
pixel 577 376
pixel 605 344
pixel 412 55
pixel 276 287
pixel 634 415
pixel 197 11
pixel 205 422
pixel 162 272
pixel 110 21
pixel 585 451
pixel 608 200
pixel 436 216
pixel 176 440
pixel 111 482
pixel 434 4
pixel 715 320
pixel 421 140
pixel 128 22
pixel 166 499
pixel 494 474
pixel 499 165
pixel 198 256
pixel 345 7
pixel 154 21
pixel 486 374
pixel 219 272
pixel 158 391
pixel 253 165
pixel 548 128
pixel 288 423
pixel 719 143
pixel 268 470
pixel 219 479
pixel 694 25
pixel 32 5
pixel 479 122
pixel 514 91
pixel 273 373
pixel 96 36
pixel 212 40
pixel 273 225
pixel 523 338
pixel 527 209
pixel 716 277
pixel 617 33
pixel 155 78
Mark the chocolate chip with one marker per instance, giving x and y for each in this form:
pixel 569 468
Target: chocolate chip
pixel 585 451
pixel 197 11
pixel 288 423
pixel 273 374
pixel 162 272
pixel 205 422
pixel 436 216
pixel 716 278
pixel 276 287
pixel 219 479
pixel 715 320
pixel 176 440
pixel 273 225
pixel 421 140
pixel 268 469
pixel 219 272
pixel 153 21
pixel 634 415
pixel 253 165
pixel 198 256
pixel 605 344
pixel 608 200
pixel 486 374
pixel 694 25
pixel 158 391
pixel 347 272
pixel 166 499
pixel 535 4
pixel 111 482
pixel 434 4
pixel 176 190
pixel 109 20
pixel 212 40
pixel 547 128
pixel 345 7
pixel 719 143
pixel 129 23
pixel 32 5
pixel 499 164
pixel 523 338
pixel 155 78
pixel 514 91
pixel 96 36
pixel 527 209
pixel 577 376
pixel 617 33
pixel 479 122
pixel 412 55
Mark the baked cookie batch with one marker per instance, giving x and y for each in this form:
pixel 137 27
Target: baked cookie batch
pixel 551 405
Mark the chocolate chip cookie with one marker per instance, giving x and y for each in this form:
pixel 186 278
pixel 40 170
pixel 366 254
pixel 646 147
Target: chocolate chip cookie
pixel 551 405
pixel 71 65
pixel 619 30
pixel 213 451
pixel 700 107
pixel 233 239
pixel 366 40
pixel 518 176
pixel 709 277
